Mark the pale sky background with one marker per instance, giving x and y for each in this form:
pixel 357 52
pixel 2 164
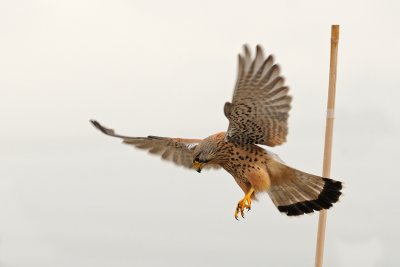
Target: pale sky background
pixel 70 196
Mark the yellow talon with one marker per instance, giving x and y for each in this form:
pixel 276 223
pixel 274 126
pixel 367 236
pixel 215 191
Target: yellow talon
pixel 245 203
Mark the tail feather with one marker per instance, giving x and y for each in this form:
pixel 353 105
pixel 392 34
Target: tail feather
pixel 295 192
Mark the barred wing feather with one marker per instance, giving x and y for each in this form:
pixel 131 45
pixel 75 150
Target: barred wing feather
pixel 176 150
pixel 260 105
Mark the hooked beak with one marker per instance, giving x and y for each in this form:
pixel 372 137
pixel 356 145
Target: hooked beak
pixel 198 166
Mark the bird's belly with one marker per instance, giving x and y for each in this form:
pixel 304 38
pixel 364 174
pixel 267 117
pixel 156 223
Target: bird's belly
pixel 258 178
pixel 247 176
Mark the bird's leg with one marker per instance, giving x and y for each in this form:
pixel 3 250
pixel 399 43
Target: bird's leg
pixel 245 203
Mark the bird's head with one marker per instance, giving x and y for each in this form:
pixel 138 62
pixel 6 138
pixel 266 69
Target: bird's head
pixel 206 152
pixel 198 164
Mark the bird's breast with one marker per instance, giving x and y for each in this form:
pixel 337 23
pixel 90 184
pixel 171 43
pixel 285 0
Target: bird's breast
pixel 248 164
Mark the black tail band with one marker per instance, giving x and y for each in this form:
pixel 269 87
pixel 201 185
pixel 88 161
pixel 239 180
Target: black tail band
pixel 329 195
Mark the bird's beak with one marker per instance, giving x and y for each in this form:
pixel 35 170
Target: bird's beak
pixel 198 166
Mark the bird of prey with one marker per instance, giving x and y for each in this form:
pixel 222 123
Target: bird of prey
pixel 257 116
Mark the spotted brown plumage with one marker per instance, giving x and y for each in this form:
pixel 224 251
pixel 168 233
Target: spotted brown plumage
pixel 257 115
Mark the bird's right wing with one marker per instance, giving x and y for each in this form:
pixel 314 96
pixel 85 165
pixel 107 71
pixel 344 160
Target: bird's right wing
pixel 177 150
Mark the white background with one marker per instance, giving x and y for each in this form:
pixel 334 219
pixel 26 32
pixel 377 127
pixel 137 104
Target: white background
pixel 70 196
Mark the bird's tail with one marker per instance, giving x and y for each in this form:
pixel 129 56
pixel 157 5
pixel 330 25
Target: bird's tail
pixel 295 192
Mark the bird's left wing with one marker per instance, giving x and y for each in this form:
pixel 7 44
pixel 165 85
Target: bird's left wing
pixel 259 110
pixel 177 150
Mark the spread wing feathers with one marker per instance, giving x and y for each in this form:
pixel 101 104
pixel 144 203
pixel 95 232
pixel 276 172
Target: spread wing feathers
pixel 295 193
pixel 177 150
pixel 259 110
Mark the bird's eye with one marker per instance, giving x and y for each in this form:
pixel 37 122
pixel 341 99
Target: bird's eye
pixel 196 159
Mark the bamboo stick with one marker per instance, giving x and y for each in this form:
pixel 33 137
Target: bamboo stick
pixel 319 255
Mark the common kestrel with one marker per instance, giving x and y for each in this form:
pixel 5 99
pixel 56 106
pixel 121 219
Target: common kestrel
pixel 257 115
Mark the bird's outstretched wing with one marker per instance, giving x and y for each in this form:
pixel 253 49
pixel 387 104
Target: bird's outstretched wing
pixel 259 110
pixel 177 150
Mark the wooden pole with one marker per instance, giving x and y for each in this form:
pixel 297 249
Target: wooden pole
pixel 319 255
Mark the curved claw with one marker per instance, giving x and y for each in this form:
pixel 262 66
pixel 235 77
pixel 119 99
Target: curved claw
pixel 245 203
